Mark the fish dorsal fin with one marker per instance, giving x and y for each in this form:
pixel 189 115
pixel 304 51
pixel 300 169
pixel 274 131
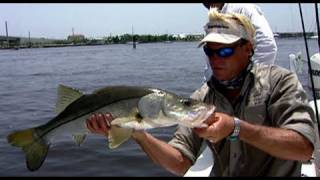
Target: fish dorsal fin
pixel 79 138
pixel 66 95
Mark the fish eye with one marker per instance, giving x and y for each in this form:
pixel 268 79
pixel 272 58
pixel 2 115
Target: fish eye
pixel 186 102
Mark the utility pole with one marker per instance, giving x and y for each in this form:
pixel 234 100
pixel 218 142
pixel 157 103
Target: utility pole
pixel 29 41
pixel 133 39
pixel 7 34
pixel 73 38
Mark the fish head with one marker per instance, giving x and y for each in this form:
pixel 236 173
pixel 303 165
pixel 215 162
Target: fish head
pixel 186 111
pixel 162 109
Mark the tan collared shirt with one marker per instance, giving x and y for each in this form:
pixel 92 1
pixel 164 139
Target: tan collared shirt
pixel 271 96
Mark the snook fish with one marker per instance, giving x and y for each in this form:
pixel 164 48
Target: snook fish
pixel 132 107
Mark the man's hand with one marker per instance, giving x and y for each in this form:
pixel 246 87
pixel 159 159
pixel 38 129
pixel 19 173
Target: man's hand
pixel 99 123
pixel 220 125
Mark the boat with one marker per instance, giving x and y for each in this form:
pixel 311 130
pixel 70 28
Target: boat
pixel 313 37
pixel 310 169
pixel 296 64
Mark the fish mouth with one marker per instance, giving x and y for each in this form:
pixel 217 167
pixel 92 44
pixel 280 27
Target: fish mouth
pixel 196 119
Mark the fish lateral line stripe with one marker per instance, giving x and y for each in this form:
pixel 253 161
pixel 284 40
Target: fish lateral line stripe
pixel 61 123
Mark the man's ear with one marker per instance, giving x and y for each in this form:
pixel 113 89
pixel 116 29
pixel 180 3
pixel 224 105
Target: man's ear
pixel 248 48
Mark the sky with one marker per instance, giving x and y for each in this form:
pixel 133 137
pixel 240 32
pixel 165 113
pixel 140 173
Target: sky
pixel 56 20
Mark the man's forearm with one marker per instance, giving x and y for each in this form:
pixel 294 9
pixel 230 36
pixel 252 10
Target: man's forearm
pixel 162 153
pixel 281 143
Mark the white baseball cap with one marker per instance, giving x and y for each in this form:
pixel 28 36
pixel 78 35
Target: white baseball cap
pixel 224 32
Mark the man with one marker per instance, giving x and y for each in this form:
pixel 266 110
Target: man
pixel 262 126
pixel 265 50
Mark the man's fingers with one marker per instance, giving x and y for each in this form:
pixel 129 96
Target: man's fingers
pixel 94 122
pixel 210 120
pixel 89 125
pixel 103 122
pixel 99 122
pixel 199 131
pixel 109 118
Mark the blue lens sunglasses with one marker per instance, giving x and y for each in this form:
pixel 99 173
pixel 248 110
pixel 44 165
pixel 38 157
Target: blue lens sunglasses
pixel 221 52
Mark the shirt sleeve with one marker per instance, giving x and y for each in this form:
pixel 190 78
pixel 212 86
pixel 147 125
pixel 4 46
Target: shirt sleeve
pixel 289 106
pixel 187 142
pixel 184 139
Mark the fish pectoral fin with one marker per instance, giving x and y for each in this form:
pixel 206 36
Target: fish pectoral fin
pixel 122 128
pixel 118 135
pixel 66 95
pixel 79 138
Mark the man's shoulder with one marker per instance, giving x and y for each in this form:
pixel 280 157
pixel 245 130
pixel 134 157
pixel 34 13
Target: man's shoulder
pixel 244 5
pixel 241 6
pixel 270 71
pixel 248 9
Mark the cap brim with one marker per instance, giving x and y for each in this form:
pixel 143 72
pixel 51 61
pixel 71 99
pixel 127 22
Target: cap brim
pixel 219 38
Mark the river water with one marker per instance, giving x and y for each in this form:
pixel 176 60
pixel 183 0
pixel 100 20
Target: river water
pixel 29 79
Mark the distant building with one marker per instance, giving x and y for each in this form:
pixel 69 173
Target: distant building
pixel 76 38
pixel 198 36
pixel 9 41
pixel 182 36
pixel 195 36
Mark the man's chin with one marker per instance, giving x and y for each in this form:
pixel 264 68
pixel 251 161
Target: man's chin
pixel 220 77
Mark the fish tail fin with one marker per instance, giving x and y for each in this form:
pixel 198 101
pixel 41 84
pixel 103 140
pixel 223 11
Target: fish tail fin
pixel 35 149
pixel 117 136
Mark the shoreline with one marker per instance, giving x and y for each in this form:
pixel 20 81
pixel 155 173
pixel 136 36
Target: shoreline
pixel 54 45
pixel 75 45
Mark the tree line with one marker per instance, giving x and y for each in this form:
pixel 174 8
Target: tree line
pixel 126 38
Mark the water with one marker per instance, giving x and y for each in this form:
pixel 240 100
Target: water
pixel 29 80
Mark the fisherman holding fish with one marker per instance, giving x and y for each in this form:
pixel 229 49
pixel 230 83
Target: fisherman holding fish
pixel 262 124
